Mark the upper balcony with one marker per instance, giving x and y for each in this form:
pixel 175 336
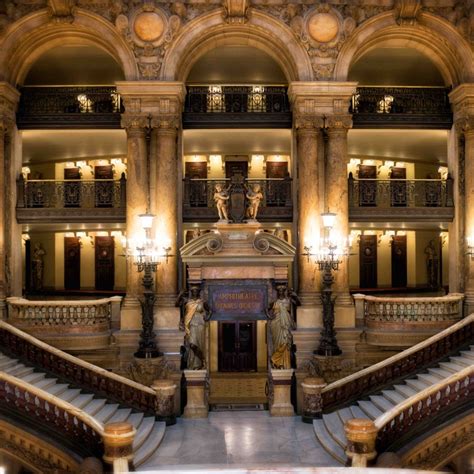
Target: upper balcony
pixel 97 200
pixel 199 204
pixel 402 107
pixel 382 200
pixel 237 106
pixel 69 107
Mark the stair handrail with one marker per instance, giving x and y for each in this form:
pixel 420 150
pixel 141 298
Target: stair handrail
pixel 114 386
pixel 398 420
pixel 404 363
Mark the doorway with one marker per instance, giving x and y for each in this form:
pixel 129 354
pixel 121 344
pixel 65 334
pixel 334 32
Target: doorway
pixel 104 263
pixel 237 346
pixel 72 263
pixel 368 261
pixel 399 261
pixel 197 189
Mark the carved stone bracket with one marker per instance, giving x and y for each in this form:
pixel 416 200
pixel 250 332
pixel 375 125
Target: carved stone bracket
pixel 236 11
pixel 406 11
pixel 62 10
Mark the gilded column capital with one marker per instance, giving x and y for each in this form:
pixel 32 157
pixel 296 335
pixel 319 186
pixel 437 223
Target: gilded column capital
pixel 308 123
pixel 338 124
pixel 166 122
pixel 465 125
pixel 135 124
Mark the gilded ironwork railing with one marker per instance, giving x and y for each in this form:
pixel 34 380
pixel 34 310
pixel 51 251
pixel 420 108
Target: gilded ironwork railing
pixel 199 203
pixel 390 193
pixel 69 107
pixel 405 107
pixel 73 193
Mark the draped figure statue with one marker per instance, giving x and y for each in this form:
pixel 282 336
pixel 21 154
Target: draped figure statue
pixel 194 316
pixel 281 324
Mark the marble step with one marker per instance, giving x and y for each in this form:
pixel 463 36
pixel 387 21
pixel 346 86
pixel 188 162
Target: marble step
pixel 460 360
pixel 451 367
pixel 405 390
pixel 345 414
pixel 151 444
pixel 468 354
pixel 45 383
pixel 19 371
pixel 57 389
pixel 94 406
pixel 358 413
pixel 335 427
pixel 120 415
pixel 145 428
pixel 418 385
pixel 328 442
pixel 441 373
pixel 70 394
pixel 382 403
pixel 106 412
pixel 33 377
pixel 7 363
pixel 394 396
pixel 430 378
pixel 82 400
pixel 369 409
pixel 135 419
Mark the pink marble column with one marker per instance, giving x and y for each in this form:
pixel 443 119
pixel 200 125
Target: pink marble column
pixel 165 205
pixel 337 194
pixel 137 196
pixel 309 138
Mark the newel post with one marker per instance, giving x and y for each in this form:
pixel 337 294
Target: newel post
pixel 118 445
pixel 361 435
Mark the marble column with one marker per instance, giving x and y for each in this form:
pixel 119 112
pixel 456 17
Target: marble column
pixel 137 203
pixel 337 195
pixel 309 138
pixel 165 205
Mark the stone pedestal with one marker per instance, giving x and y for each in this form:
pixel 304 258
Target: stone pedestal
pixel 312 402
pixel 281 403
pixel 164 402
pixel 196 406
pixel 360 434
pixel 118 445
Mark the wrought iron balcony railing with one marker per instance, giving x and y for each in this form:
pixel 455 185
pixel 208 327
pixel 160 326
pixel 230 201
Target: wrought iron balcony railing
pixel 221 106
pixel 399 199
pixel 401 107
pixel 69 107
pixel 98 200
pixel 199 204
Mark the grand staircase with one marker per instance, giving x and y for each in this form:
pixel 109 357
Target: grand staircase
pixel 329 429
pixel 113 407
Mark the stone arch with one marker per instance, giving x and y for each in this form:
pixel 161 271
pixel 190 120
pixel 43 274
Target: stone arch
pixel 433 36
pixel 27 39
pixel 261 31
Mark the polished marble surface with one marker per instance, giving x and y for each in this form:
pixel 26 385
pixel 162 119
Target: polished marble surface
pixel 238 439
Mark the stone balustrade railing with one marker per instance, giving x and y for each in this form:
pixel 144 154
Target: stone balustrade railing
pixel 113 441
pixel 395 321
pixel 404 364
pixel 71 325
pixel 394 429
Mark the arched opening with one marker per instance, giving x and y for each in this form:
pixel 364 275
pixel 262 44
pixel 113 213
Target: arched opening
pixel 74 64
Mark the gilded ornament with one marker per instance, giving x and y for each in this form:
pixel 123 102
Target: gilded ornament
pixel 323 27
pixel 149 26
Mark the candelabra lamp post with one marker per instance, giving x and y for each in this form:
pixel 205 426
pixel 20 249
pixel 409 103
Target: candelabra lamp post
pixel 328 259
pixel 146 257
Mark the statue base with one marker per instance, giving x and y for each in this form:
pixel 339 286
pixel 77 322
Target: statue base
pixel 196 389
pixel 281 403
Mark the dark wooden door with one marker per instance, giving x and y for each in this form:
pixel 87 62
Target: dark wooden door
pixel 28 265
pixel 368 261
pixel 277 169
pixel 72 263
pixel 197 189
pixel 399 261
pixel 277 193
pixel 104 191
pixel 72 191
pixel 398 187
pixel 104 263
pixel 367 189
pixel 237 346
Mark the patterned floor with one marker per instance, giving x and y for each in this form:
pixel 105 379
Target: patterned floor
pixel 238 388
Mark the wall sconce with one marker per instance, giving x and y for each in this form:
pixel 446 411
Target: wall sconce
pixel 443 238
pixel 69 164
pixel 80 236
pixel 355 161
pixel 25 171
pixel 389 164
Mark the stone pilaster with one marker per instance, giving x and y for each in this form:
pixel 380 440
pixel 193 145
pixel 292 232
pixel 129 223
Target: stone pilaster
pixel 337 199
pixel 462 99
pixel 138 198
pixel 10 231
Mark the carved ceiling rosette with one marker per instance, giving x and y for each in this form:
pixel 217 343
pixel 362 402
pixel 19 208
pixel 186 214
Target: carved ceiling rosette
pixel 149 29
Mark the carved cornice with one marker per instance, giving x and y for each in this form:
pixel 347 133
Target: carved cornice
pixel 62 10
pixel 406 11
pixel 236 11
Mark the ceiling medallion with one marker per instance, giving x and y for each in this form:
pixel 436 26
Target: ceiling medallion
pixel 323 27
pixel 149 26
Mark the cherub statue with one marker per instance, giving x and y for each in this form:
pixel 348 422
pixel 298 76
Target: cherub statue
pixel 254 196
pixel 221 196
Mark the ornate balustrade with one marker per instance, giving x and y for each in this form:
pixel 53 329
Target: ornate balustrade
pixel 406 363
pixel 399 199
pixel 97 200
pixel 393 321
pixel 70 369
pixel 441 400
pixel 401 107
pixel 69 107
pixel 234 106
pixel 49 412
pixel 199 204
pixel 71 325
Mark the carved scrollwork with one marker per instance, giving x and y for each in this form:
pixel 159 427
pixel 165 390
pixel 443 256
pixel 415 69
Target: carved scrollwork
pixel 214 244
pixel 261 243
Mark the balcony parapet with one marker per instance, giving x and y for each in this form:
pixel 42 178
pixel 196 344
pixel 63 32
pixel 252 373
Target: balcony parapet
pixel 402 107
pixel 199 204
pixel 69 107
pixel 97 200
pixel 429 200
pixel 393 321
pixel 236 106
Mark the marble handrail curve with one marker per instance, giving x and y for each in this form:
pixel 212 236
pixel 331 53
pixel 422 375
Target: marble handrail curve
pixel 401 355
pixel 75 360
pixel 14 300
pixel 391 414
pixel 82 416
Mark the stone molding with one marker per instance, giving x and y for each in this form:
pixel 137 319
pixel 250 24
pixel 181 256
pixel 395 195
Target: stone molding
pixel 406 11
pixel 62 10
pixel 462 101
pixel 236 11
pixel 9 98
